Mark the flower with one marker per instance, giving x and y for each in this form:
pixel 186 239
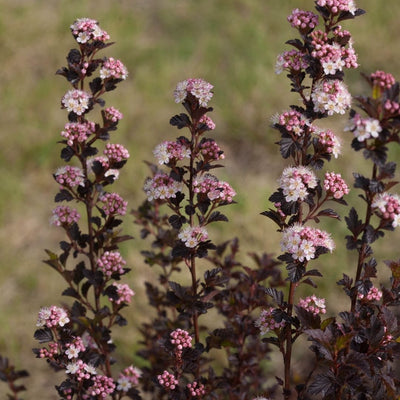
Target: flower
pixel 167 380
pixel 335 185
pixel 181 339
pixel 115 153
pixel 296 181
pixel 128 377
pixel 70 176
pixel 313 305
pixel 86 29
pixel 168 151
pixel 374 294
pixel 124 293
pixel 196 389
pixel 114 204
pixel 52 316
pixel 292 60
pixel 302 241
pixel 331 96
pixel 64 216
pixel 112 114
pixel 192 236
pixel 304 21
pixel 387 207
pixel 217 191
pixel 113 69
pixel 75 132
pixel 161 187
pixel 266 321
pixel 382 79
pixel 198 88
pixel 337 6
pixel 111 263
pixel 76 100
pixel 102 386
pixel 329 141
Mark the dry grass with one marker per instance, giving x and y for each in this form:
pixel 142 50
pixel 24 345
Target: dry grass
pixel 232 44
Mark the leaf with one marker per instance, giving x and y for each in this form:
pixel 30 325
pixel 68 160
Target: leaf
pixel 67 153
pixel 63 195
pixel 43 335
pixel 71 292
pixel 276 295
pixel 328 212
pixel 217 216
pixel 180 121
pixel 353 223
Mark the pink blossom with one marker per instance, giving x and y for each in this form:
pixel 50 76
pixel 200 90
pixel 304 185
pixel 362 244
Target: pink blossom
pixel 374 294
pixel 161 187
pixel 335 185
pixel 266 321
pixel 196 389
pixel 329 141
pixel 124 292
pixel 337 6
pixel 128 377
pixel 387 207
pixel 216 191
pixel 292 61
pixel 86 29
pixel 192 236
pixel 75 347
pixel 364 128
pixel 114 204
pixel 52 316
pixel 64 216
pixel 304 21
pixel 113 69
pixel 181 339
pixel 198 88
pixel 76 101
pixel 296 182
pixel 69 176
pixel 331 96
pixel 112 114
pixel 50 352
pixel 210 150
pixel 168 151
pixel 115 153
pixel 102 386
pixel 75 132
pixel 111 262
pixel 302 241
pixel 207 121
pixel 293 122
pixel 80 370
pixel 382 79
pixel 167 380
pixel 313 305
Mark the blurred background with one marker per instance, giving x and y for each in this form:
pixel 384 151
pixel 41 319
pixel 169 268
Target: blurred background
pixel 231 43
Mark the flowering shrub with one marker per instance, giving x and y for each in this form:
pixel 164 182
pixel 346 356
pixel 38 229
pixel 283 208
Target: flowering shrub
pixel 257 306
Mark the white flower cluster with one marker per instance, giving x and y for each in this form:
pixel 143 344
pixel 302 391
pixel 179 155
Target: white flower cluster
pixel 295 182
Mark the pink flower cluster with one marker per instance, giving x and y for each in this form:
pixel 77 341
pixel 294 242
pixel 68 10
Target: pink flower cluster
pixel 113 204
pixel 113 69
pixel 313 305
pixel 161 187
pixel 111 262
pixel 296 181
pixel 210 150
pixel 128 377
pixel 124 292
pixel 52 316
pixel 198 88
pixel 391 107
pixel 331 96
pixel 116 153
pixel 181 339
pixel 364 128
pixel 69 176
pixel 329 141
pixel 196 389
pixel 167 380
pixel 64 216
pixel 337 6
pixel 102 386
pixel 205 119
pixel 112 114
pixel 333 56
pixel 387 206
pixel 304 21
pixel 192 236
pixel 293 122
pixel 75 132
pixel 292 61
pixel 302 241
pixel 50 352
pixel 76 100
pixel 266 321
pixel 169 151
pixel 80 370
pixel 85 29
pixel 75 347
pixel 217 191
pixel 382 79
pixel 335 185
pixel 374 294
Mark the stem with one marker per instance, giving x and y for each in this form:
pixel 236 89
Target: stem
pixel 287 356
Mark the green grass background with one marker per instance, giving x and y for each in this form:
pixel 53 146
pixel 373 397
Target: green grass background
pixel 230 43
